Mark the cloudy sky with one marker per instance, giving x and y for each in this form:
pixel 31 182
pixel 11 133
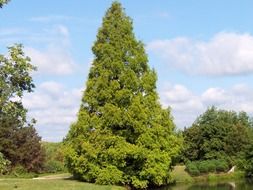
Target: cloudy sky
pixel 201 50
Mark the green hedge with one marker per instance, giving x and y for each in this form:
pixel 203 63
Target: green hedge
pixel 196 168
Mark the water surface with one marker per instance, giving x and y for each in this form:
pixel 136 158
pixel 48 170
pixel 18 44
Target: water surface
pixel 242 185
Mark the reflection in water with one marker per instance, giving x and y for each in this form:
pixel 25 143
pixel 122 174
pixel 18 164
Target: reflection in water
pixel 225 186
pixel 212 186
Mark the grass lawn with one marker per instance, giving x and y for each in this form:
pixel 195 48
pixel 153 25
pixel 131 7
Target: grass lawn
pixel 51 184
pixel 180 175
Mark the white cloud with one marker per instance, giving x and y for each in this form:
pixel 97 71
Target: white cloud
pixel 4 32
pixel 52 88
pixel 53 60
pixel 224 54
pixel 215 96
pixel 51 18
pixel 54 107
pixel 186 105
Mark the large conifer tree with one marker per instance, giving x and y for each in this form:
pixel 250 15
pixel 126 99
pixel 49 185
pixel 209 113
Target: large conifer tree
pixel 122 135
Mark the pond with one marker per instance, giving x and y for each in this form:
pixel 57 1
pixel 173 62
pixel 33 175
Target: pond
pixel 242 185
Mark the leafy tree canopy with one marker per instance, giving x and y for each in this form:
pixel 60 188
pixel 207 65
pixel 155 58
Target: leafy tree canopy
pixel 249 161
pixel 2 2
pixel 15 79
pixel 19 141
pixel 122 135
pixel 217 134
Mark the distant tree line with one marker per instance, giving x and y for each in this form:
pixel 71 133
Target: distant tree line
pixel 220 135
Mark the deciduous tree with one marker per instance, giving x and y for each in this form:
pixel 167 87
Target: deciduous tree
pixel 2 2
pixel 19 141
pixel 217 134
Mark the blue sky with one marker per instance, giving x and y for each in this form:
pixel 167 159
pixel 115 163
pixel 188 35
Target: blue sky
pixel 202 52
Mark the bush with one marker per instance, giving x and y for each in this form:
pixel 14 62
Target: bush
pixel 192 168
pixel 221 166
pixel 19 170
pixel 4 164
pixel 203 166
pixel 211 166
pixel 54 166
pixel 54 157
pixel 206 166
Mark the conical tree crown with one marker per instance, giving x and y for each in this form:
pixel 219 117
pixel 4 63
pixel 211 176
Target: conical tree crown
pixel 122 134
pixel 120 63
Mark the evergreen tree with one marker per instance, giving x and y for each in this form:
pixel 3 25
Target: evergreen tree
pixel 122 135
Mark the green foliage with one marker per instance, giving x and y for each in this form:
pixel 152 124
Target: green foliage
pixel 203 167
pixel 249 162
pixel 180 175
pixel 19 141
pixel 28 150
pixel 109 175
pixel 19 170
pixel 217 134
pixel 196 168
pixel 237 175
pixel 54 160
pixel 4 164
pixel 2 2
pixel 222 166
pixel 53 166
pixel 122 134
pixel 192 168
pixel 15 79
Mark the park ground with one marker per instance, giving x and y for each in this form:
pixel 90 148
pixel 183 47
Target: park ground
pixel 64 181
pixel 51 182
pixel 181 176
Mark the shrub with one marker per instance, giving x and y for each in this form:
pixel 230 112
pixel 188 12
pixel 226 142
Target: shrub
pixel 19 170
pixel 221 166
pixel 203 166
pixel 53 166
pixel 4 164
pixel 211 166
pixel 54 157
pixel 192 168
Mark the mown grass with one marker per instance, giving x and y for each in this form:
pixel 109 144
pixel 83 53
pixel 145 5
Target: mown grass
pixel 181 176
pixel 51 184
pixel 226 176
